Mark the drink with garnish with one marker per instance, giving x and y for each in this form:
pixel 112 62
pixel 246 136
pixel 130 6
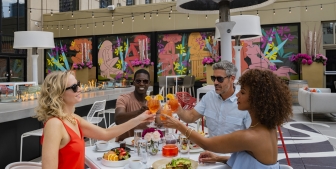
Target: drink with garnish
pixel 153 104
pixel 173 102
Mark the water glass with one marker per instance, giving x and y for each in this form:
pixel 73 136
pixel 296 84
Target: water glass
pixel 137 136
pixel 142 150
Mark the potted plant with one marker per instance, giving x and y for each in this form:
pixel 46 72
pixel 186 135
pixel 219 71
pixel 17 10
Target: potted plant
pixel 208 62
pixel 85 71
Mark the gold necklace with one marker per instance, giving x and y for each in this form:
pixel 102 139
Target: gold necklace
pixel 254 125
pixel 71 120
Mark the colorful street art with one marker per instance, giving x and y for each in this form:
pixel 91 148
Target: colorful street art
pixel 272 50
pixel 67 52
pixel 181 53
pixel 115 54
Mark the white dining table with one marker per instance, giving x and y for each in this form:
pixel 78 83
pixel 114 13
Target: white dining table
pixel 91 160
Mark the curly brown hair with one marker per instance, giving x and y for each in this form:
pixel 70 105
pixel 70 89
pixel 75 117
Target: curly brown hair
pixel 269 97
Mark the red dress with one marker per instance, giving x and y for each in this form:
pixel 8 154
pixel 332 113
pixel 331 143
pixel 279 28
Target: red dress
pixel 71 156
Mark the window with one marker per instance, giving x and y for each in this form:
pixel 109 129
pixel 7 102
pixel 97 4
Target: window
pixel 328 32
pixel 104 3
pixel 68 5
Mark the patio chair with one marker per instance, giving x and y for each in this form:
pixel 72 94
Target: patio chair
pixel 188 84
pixel 99 108
pixel 162 84
pixel 37 132
pixel 283 146
pixel 24 165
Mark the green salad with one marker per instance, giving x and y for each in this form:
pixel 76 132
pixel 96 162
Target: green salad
pixel 179 163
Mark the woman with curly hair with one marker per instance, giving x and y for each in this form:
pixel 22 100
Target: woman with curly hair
pixel 63 146
pixel 268 100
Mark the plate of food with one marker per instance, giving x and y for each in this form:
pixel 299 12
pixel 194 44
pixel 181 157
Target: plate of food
pixel 129 141
pixel 116 157
pixel 175 163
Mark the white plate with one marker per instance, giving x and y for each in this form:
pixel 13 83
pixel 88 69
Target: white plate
pixel 129 141
pixel 198 150
pixel 128 167
pixel 114 163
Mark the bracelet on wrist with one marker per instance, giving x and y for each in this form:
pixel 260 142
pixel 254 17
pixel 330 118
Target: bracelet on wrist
pixel 190 133
pixel 187 132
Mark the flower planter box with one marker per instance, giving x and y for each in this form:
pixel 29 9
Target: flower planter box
pixel 209 72
pixel 313 74
pixel 85 75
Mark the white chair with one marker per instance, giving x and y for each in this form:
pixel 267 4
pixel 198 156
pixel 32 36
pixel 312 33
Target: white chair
pixel 283 166
pixel 99 108
pixel 24 165
pixel 37 132
pixel 110 111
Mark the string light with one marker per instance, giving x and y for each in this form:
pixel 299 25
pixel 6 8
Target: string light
pixel 30 10
pixel 171 9
pixel 157 12
pixel 169 15
pixel 68 27
pixel 257 13
pixel 92 15
pixel 112 16
pixel 150 15
pixel 112 23
pixel 9 10
pixel 87 25
pixel 290 10
pixel 62 26
pixel 74 26
pixel 144 15
pixel 122 20
pixel 80 26
pixel 51 13
pixel 273 11
pixel 95 25
pixel 241 13
pixel 132 17
pixel 57 27
pixel 306 8
pixel 188 16
pixel 103 23
pixel 321 7
pixel 72 14
pixel 206 16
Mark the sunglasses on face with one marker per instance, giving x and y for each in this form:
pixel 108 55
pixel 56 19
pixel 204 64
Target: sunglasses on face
pixel 74 87
pixel 138 81
pixel 219 79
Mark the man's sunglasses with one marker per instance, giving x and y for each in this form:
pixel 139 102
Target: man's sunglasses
pixel 74 87
pixel 219 79
pixel 143 81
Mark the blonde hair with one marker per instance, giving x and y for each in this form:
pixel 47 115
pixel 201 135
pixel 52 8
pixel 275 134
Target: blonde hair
pixel 50 102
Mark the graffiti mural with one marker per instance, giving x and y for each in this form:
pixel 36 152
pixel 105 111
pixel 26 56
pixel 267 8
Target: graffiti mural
pixel 67 52
pixel 116 52
pixel 272 50
pixel 181 53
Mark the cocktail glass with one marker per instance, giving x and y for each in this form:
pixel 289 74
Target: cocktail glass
pixel 153 105
pixel 166 109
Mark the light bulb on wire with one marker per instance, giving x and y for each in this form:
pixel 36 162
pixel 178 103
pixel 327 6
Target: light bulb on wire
pixel 306 8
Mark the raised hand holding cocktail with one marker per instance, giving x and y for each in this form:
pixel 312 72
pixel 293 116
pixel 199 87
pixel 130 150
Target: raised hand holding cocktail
pixel 153 104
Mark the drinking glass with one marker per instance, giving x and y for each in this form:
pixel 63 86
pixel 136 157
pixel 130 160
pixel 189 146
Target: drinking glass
pixel 173 103
pixel 153 105
pixel 137 137
pixel 166 109
pixel 170 149
pixel 142 149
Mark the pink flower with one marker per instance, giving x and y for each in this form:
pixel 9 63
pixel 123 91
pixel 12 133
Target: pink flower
pixel 304 61
pixel 309 62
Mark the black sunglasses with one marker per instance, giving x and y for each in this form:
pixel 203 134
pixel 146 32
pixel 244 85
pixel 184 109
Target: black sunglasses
pixel 74 87
pixel 138 81
pixel 219 79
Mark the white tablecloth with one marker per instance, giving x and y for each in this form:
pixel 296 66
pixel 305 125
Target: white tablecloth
pixel 91 159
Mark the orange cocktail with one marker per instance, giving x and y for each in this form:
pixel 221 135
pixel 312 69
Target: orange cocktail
pixel 167 111
pixel 169 150
pixel 153 103
pixel 173 102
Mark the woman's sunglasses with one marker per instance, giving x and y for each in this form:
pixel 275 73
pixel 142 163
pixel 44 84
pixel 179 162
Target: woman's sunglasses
pixel 143 81
pixel 219 79
pixel 74 87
